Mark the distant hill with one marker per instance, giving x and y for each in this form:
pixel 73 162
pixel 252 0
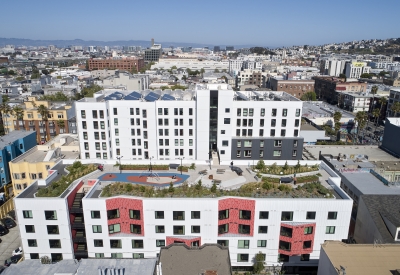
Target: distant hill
pixel 79 42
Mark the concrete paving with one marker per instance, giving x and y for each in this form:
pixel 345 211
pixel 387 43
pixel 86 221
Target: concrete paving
pixel 10 242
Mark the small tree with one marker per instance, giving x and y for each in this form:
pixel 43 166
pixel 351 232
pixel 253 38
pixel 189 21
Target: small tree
pixel 258 262
pixel 395 108
pixel 199 185
pixel 214 188
pixel 260 165
pixel 171 188
pixel 297 166
pixel 285 167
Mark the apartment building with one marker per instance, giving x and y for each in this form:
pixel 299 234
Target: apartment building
pixel 121 63
pixel 60 119
pixel 11 146
pixel 295 88
pixel 83 223
pixel 127 81
pixel 153 54
pixel 332 67
pixel 355 102
pixel 251 77
pixel 394 96
pixel 167 125
pixel 356 69
pixel 326 87
pixel 35 163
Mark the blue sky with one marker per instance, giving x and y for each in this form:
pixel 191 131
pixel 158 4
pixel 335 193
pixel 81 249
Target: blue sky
pixel 218 22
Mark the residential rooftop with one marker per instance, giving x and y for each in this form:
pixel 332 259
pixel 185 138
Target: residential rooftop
pixel 314 109
pixel 13 136
pixel 366 259
pixel 372 153
pixel 179 259
pixel 387 165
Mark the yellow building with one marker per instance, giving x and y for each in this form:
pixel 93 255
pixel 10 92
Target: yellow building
pixel 35 163
pixel 58 121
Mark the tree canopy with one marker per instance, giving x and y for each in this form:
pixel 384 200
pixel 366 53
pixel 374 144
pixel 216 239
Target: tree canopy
pixel 87 92
pixel 309 96
pixel 59 96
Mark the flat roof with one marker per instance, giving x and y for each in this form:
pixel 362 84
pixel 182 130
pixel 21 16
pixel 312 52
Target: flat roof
pixel 130 266
pixel 308 127
pixel 366 259
pixel 29 267
pixel 35 155
pixel 388 165
pixel 367 183
pixel 374 153
pixel 13 136
pixel 322 109
pixel 179 259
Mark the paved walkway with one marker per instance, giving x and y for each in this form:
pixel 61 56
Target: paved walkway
pixel 8 243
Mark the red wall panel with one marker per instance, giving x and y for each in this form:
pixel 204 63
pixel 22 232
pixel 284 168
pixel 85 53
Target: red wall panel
pixel 234 206
pixel 124 205
pixel 297 239
pixel 188 242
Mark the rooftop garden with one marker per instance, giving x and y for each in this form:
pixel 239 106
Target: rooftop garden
pixel 286 169
pixel 268 187
pixel 56 188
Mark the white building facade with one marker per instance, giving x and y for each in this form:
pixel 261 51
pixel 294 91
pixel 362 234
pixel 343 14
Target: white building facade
pixel 167 125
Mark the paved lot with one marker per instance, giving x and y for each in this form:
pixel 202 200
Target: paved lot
pixel 9 242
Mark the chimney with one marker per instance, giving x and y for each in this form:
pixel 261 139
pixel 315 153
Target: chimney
pixel 152 42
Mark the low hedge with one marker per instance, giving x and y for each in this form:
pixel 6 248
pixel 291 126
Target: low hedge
pixel 143 167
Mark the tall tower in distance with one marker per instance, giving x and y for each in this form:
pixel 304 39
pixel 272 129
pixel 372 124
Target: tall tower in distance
pixel 152 42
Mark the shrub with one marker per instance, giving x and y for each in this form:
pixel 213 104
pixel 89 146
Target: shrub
pixel 213 188
pixel 260 165
pixel 192 166
pixel 171 188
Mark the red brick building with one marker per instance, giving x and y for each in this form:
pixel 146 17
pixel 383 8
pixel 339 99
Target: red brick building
pixel 127 63
pixel 294 87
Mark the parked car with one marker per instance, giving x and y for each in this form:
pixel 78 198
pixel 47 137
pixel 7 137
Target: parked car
pixel 3 230
pixel 9 223
pixel 12 215
pixel 17 251
pixel 12 260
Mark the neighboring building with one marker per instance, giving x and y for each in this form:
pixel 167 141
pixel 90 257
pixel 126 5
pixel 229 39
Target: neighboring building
pixel 89 224
pixel 327 87
pixel 392 82
pixel 355 102
pixel 378 219
pixel 153 54
pixel 217 49
pixel 3 59
pixel 251 77
pixel 235 65
pixel 103 73
pixel 137 82
pixel 332 67
pixel 212 77
pixel 85 266
pixel 169 124
pixel 124 63
pixel 13 145
pixel 192 64
pixel 312 134
pixel 390 170
pixel 392 129
pixel 356 69
pixel 294 87
pixel 321 113
pixel 61 119
pixel 35 163
pixel 394 96
pixel 208 259
pixel 338 258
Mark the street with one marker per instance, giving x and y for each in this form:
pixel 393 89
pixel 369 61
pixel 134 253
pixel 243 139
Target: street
pixel 9 242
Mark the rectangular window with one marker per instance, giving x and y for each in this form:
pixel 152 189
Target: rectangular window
pixel 134 214
pixel 263 229
pixel 159 214
pixel 296 122
pixel 50 215
pixel 294 153
pixel 136 228
pixel 225 143
pixel 239 112
pixel 305 257
pixel 251 112
pixel 223 214
pixel 308 230
pixel 55 243
pixel 98 243
pixel 115 110
pixel 190 111
pixel 100 255
pixel 227 121
pixel 262 243
pixel 96 228
pixel 296 133
pixel 298 112
pixel 179 230
pixel 223 242
pixel 287 216
pixel 283 122
pixel 195 228
pixel 27 214
pixel 283 133
pixel 52 230
pixel 29 228
pixel 243 244
pixel 310 215
pixel 273 112
pixel 160 229
pixel 242 257
pixel 95 124
pixel 113 214
pixel 244 214
pixel 32 243
pixel 261 133
pixel 116 255
pixel 131 111
pixel 115 244
pixel 264 215
pixel 195 214
pixel 332 215
pixel 272 133
pixel 227 110
pixel 165 111
pixel 83 114
pixel 244 112
pixel 330 230
pixel 178 215
pixel 244 229
pixel 262 113
pixel 223 228
pixel 84 126
pixel 284 112
pixel 114 228
pixel 273 122
pixel 101 113
pixel 160 243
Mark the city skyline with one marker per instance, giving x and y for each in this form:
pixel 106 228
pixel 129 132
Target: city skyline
pixel 283 24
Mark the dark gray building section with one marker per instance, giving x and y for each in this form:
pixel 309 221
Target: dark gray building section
pixel 390 141
pixel 289 145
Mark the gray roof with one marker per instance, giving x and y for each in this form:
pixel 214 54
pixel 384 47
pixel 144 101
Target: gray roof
pixel 129 266
pixel 367 184
pixel 179 259
pixel 29 267
pixel 387 206
pixel 13 136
